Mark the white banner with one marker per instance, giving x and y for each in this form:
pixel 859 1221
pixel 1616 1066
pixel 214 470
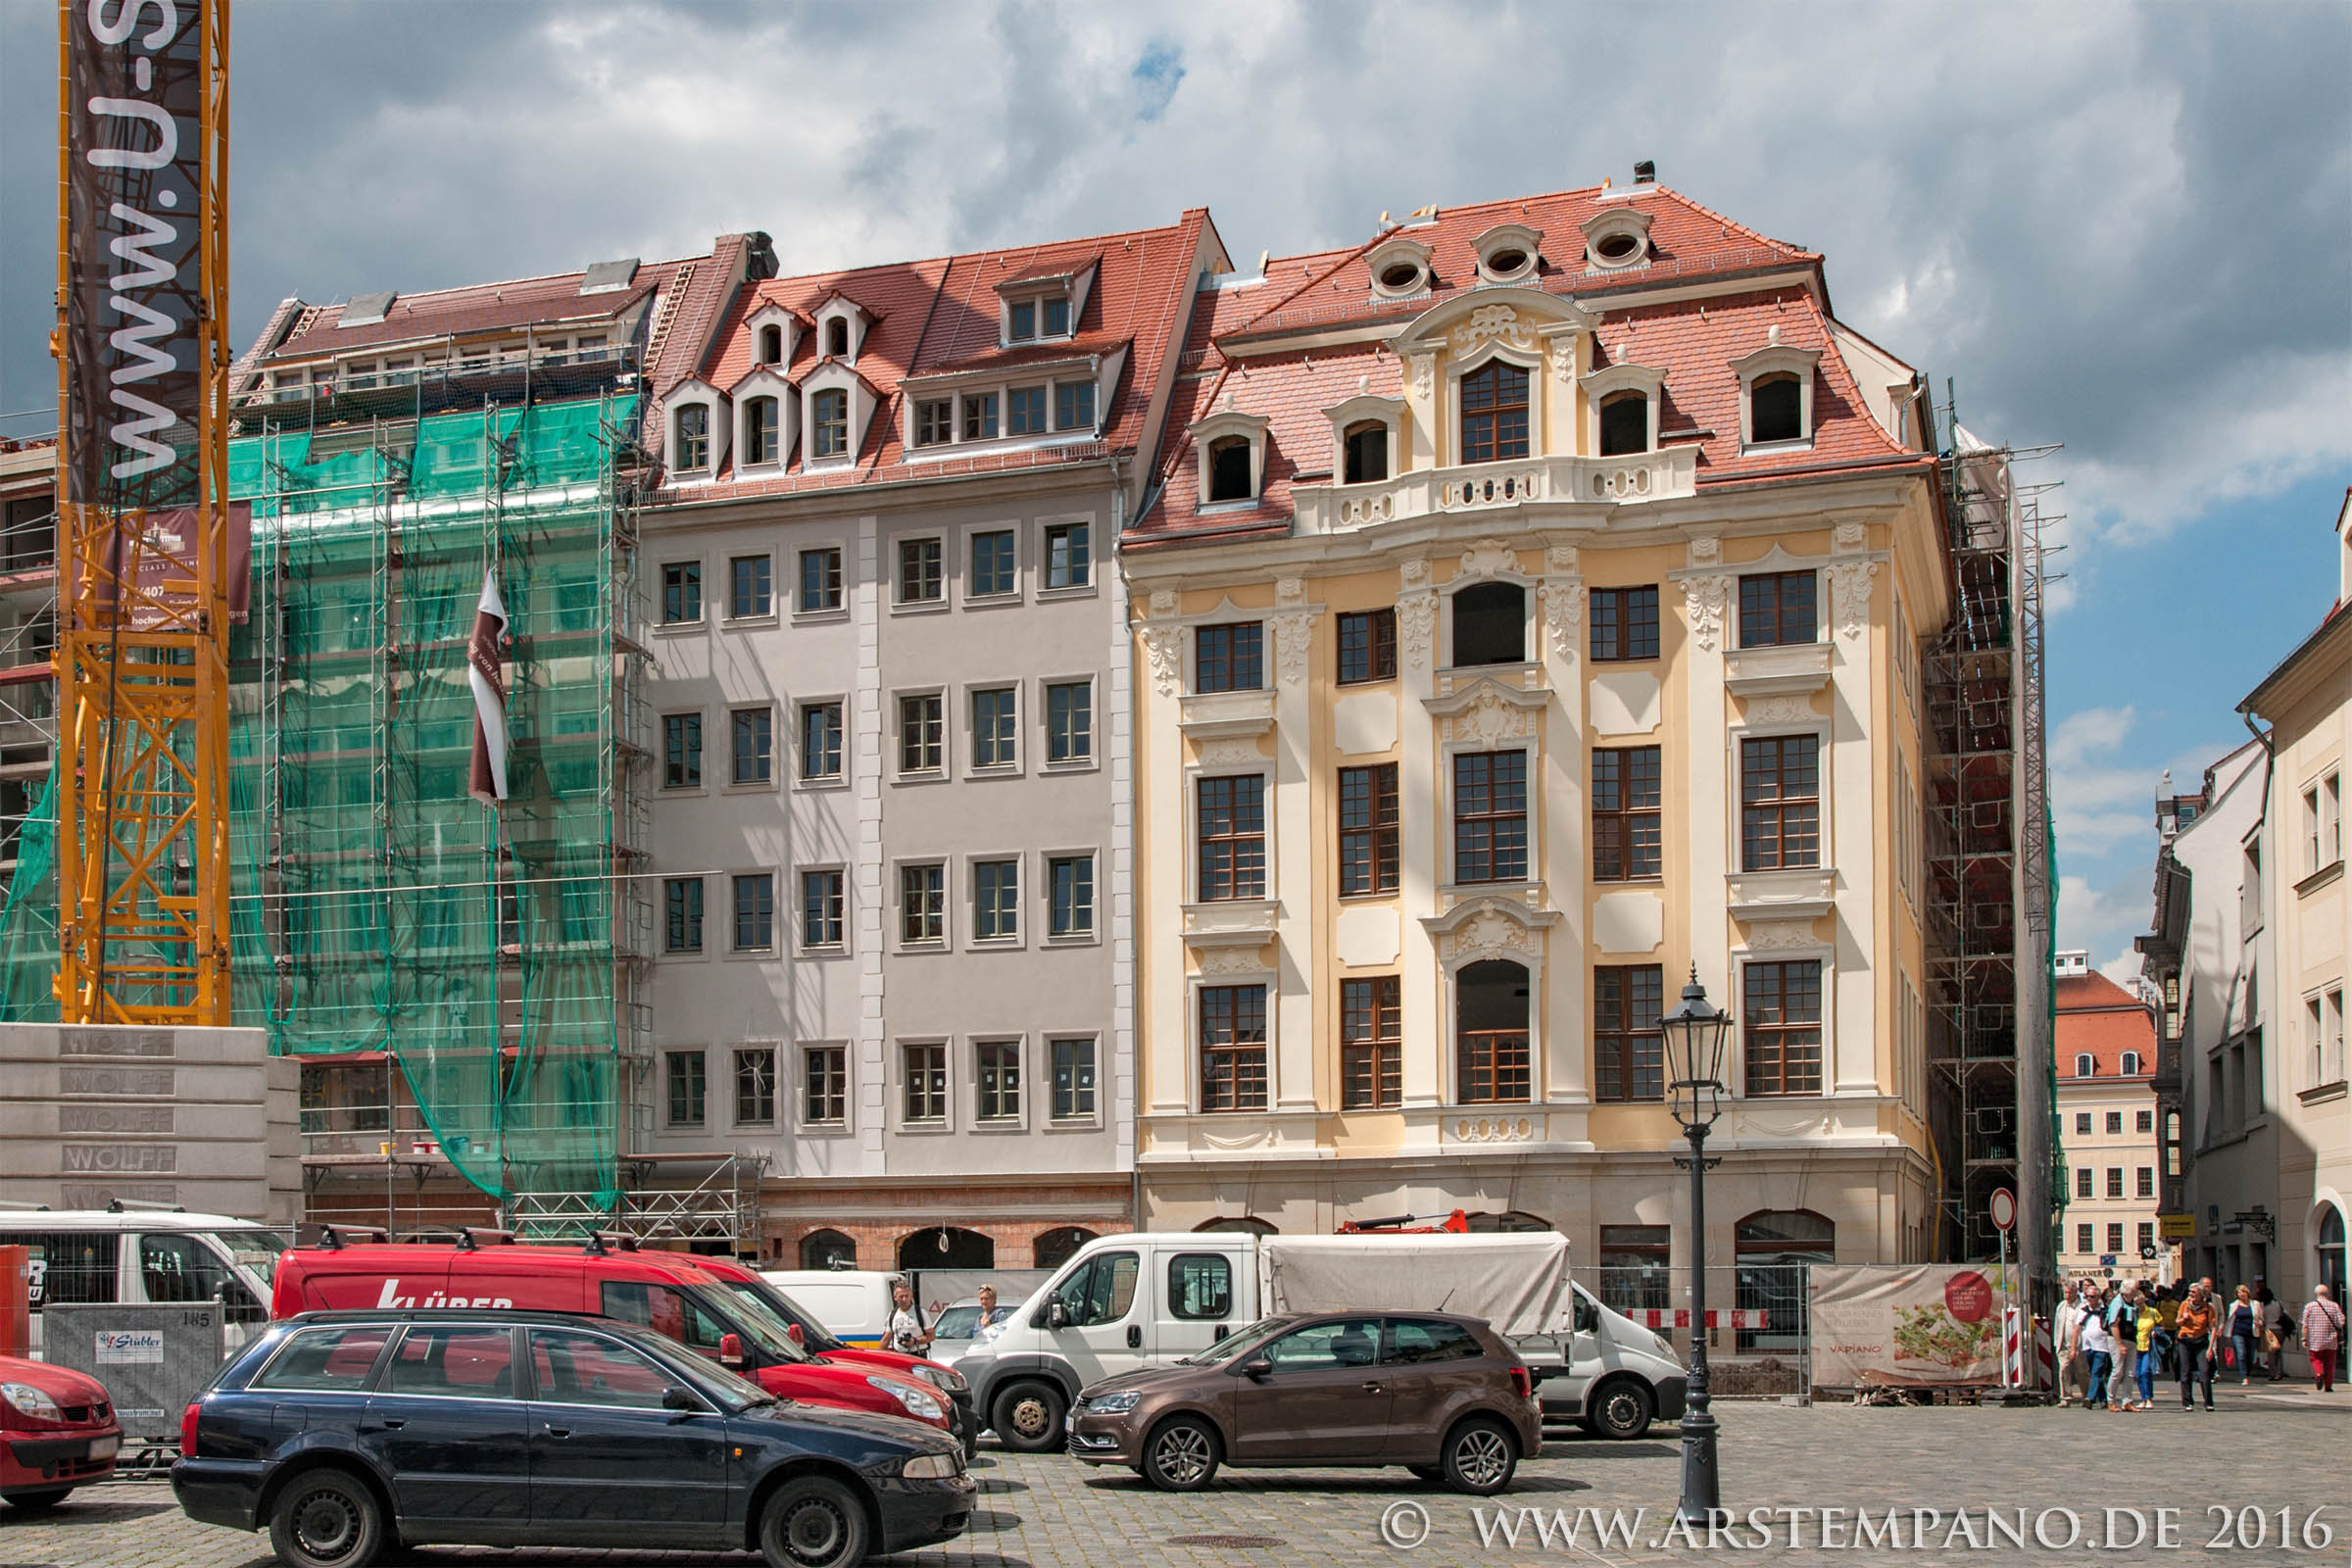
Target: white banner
pixel 1905 1324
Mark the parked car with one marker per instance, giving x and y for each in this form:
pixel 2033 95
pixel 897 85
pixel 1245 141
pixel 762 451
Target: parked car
pixel 669 1293
pixel 757 1295
pixel 133 1255
pixel 349 1432
pixel 1442 1396
pixel 57 1432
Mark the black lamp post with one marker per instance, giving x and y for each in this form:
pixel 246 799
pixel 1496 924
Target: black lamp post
pixel 1696 1032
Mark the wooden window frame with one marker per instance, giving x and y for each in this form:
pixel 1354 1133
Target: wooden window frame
pixel 922 903
pixel 924 1083
pixel 1770 609
pixel 1488 432
pixel 1770 1034
pixel 1483 862
pixel 1624 805
pixel 1371 1043
pixel 1221 649
pixel 1231 1041
pixel 1779 830
pixel 1231 833
pixel 1367 647
pixel 1628 1045
pixel 1370 865
pixel 1622 634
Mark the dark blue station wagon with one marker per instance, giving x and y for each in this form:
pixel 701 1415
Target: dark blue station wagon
pixel 349 1433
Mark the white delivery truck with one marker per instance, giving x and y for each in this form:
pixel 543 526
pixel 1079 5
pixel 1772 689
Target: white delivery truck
pixel 1142 1299
pixel 112 1257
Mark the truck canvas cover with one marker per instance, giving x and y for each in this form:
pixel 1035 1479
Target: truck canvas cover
pixel 1517 1282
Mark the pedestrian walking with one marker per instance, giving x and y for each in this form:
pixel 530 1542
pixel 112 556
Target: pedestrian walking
pixel 2144 1325
pixel 2118 1314
pixel 2098 1345
pixel 2074 1366
pixel 2245 1332
pixel 2323 1332
pixel 2194 1328
pixel 2278 1327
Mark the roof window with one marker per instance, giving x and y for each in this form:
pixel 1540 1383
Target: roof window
pixel 1776 393
pixel 1616 237
pixel 1230 448
pixel 1399 267
pixel 1508 253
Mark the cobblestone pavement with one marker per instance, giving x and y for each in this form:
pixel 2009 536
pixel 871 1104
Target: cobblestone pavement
pixel 2260 1450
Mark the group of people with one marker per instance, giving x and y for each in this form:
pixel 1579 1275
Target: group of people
pixel 2115 1340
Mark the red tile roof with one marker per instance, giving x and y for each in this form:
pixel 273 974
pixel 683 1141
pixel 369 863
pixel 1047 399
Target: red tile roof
pixel 2098 1016
pixel 515 304
pixel 1693 341
pixel 940 315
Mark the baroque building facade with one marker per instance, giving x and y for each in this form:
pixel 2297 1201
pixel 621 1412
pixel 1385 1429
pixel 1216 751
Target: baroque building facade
pixel 1528 615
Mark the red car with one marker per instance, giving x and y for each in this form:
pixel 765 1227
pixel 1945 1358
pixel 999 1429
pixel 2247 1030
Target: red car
pixel 57 1432
pixel 665 1292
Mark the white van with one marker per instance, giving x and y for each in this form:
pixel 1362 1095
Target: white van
pixel 853 1304
pixel 140 1255
pixel 1141 1300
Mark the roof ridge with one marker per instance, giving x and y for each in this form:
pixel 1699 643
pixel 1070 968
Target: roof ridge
pixel 404 296
pixel 952 257
pixel 1756 234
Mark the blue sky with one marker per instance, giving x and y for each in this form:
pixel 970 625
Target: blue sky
pixel 2127 228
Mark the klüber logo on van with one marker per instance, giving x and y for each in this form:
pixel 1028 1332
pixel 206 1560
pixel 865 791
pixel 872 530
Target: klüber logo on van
pixel 436 1298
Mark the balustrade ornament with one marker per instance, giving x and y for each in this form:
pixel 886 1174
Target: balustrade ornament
pixel 1493 1129
pixel 1703 601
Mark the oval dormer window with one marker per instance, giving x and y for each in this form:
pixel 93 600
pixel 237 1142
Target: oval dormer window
pixel 1618 247
pixel 1399 277
pixel 1507 264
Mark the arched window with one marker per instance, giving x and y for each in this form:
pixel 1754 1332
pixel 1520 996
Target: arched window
pixel 946 1247
pixel 693 446
pixel 1490 1000
pixel 1490 625
pixel 2130 1063
pixel 1624 424
pixel 1774 1248
pixel 1053 1249
pixel 828 1250
pixel 2085 1065
pixel 1240 1224
pixel 772 345
pixel 1510 1221
pixel 759 429
pixel 1229 468
pixel 830 422
pixel 1367 452
pixel 837 337
pixel 2328 1245
pixel 1495 414
pixel 1776 409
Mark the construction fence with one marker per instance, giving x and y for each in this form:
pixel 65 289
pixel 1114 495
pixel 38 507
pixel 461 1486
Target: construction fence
pixel 491 954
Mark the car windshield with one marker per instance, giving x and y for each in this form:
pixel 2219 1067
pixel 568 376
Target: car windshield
pixel 762 1322
pixel 1240 1340
pixel 959 1322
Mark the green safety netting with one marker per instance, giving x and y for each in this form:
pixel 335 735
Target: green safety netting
pixel 374 905
pixel 28 926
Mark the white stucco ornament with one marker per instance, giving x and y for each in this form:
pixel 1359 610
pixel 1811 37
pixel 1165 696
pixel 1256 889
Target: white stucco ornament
pixel 1294 634
pixel 1492 324
pixel 1491 934
pixel 1848 537
pixel 1703 599
pixel 1782 710
pixel 1491 719
pixel 1489 558
pixel 1163 649
pixel 1781 935
pixel 1416 625
pixel 1563 614
pixel 1849 595
pixel 1561 558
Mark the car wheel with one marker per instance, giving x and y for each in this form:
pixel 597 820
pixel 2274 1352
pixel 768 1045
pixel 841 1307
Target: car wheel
pixel 1620 1410
pixel 326 1519
pixel 1181 1455
pixel 36 1501
pixel 813 1522
pixel 1481 1456
pixel 1028 1417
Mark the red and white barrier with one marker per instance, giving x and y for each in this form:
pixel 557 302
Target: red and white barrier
pixel 1679 1317
pixel 2045 1357
pixel 2012 1350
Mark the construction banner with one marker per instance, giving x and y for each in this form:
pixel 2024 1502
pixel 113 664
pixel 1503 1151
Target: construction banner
pixel 1906 1324
pixel 132 282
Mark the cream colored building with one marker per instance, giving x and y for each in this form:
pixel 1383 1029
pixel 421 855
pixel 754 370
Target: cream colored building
pixel 2106 1041
pixel 1530 613
pixel 2307 703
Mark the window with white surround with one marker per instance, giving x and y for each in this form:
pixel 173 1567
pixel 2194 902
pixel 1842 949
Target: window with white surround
pixel 774 333
pixel 690 435
pixel 1229 449
pixel 1509 253
pixel 1364 440
pixel 1399 267
pixel 1616 237
pixel 1776 394
pixel 1624 402
pixel 2323 824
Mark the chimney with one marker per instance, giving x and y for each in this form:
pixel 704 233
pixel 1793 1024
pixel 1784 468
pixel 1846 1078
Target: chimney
pixel 1645 172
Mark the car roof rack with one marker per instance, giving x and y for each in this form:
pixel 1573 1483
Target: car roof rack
pixel 333 1238
pixel 601 1243
pixel 471 1236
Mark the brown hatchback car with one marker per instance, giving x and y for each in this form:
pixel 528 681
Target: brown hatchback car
pixel 1442 1396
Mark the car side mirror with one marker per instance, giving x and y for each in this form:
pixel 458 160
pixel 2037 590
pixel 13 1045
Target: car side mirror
pixel 1057 1316
pixel 682 1399
pixel 730 1349
pixel 1259 1368
pixel 794 1330
pixel 1588 1317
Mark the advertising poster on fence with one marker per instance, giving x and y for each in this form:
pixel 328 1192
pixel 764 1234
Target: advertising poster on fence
pixel 1879 1325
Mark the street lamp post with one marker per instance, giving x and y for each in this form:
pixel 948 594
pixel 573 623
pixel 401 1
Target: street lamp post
pixel 1695 1039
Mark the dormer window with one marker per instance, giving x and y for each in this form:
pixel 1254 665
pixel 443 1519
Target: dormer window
pixel 1507 253
pixel 1625 401
pixel 1229 468
pixel 934 421
pixel 693 438
pixel 1616 237
pixel 1365 453
pixel 829 421
pixel 1044 317
pixel 837 337
pixel 979 416
pixel 772 345
pixel 1399 267
pixel 1495 414
pixel 760 428
pixel 1776 383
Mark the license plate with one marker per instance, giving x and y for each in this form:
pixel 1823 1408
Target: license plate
pixel 105 1448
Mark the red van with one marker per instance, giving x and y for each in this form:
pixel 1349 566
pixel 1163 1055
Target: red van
pixel 758 1296
pixel 665 1292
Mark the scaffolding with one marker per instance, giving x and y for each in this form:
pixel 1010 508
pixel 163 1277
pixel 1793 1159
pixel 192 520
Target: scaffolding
pixel 494 959
pixel 1991 926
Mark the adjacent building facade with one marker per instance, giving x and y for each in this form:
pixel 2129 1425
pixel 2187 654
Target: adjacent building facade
pixel 1528 614
pixel 2106 1044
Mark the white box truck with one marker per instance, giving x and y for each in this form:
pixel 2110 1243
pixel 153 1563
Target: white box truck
pixel 1145 1299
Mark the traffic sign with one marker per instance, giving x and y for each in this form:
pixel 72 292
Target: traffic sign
pixel 2177 1227
pixel 2004 1208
